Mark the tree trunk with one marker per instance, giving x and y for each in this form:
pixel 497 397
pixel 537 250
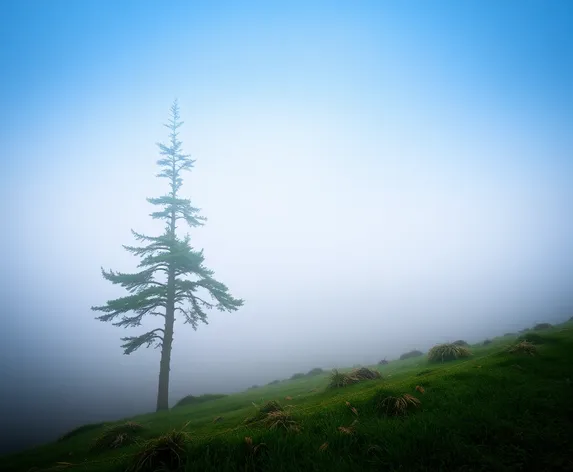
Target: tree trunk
pixel 165 363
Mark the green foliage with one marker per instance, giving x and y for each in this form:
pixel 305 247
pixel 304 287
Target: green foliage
pixel 383 362
pixel 486 342
pixel 193 400
pixel 298 375
pixel 274 382
pixel 448 352
pixel 461 342
pixel 410 354
pixel 541 326
pixel 167 254
pixel 315 371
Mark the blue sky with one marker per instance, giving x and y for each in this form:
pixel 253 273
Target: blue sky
pixel 357 161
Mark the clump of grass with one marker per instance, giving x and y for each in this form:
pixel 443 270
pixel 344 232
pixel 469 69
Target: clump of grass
pixel 117 436
pixel 364 373
pixel 524 347
pixel 274 416
pixel 315 371
pixel 263 410
pixel 281 419
pixel 81 429
pixel 193 400
pixel 448 352
pixel 461 342
pixel 270 407
pixel 298 375
pixel 540 326
pixel 410 354
pixel 339 379
pixel 166 452
pixel 398 406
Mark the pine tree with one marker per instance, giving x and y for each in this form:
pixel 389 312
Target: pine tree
pixel 172 279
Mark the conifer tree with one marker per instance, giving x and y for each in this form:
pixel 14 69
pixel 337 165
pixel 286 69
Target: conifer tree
pixel 172 279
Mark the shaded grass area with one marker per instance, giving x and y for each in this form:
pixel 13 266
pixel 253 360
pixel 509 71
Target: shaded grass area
pixel 495 411
pixel 194 400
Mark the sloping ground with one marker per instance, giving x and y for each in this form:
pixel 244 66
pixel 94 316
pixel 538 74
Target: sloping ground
pixel 495 411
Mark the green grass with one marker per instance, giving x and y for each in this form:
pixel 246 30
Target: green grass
pixel 494 411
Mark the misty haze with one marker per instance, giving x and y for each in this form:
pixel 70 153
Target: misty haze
pixel 376 179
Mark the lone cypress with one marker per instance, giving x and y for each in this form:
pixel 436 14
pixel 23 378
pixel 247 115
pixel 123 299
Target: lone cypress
pixel 172 278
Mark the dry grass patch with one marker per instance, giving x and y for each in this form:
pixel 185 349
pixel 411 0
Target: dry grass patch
pixel 448 352
pixel 524 347
pixel 281 420
pixel 339 379
pixel 166 452
pixel 398 406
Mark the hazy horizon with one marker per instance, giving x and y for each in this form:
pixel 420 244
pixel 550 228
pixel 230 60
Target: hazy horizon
pixel 376 178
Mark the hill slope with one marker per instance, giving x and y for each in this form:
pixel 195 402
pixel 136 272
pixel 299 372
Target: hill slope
pixel 495 411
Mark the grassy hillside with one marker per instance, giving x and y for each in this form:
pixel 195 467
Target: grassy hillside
pixel 493 411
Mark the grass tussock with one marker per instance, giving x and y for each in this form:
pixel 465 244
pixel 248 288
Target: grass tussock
pixel 117 436
pixel 448 352
pixel 364 373
pixel 274 416
pixel 166 452
pixel 281 419
pixel 339 379
pixel 410 354
pixel 523 347
pixel 193 400
pixel 398 406
pixel 263 410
